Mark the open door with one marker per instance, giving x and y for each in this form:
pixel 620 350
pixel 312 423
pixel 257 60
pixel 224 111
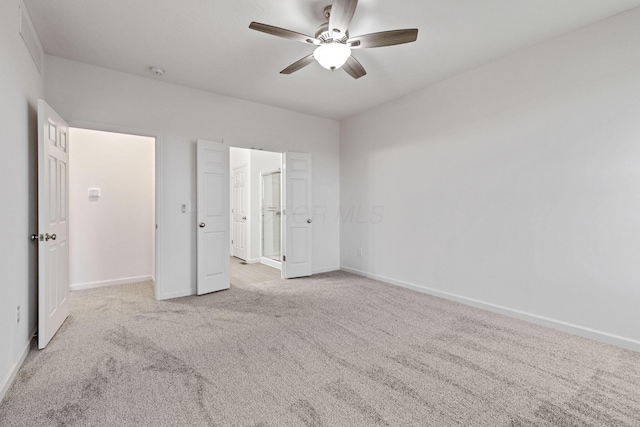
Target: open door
pixel 53 225
pixel 296 259
pixel 239 212
pixel 212 169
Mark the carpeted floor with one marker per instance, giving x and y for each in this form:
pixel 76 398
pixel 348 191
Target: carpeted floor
pixel 332 350
pixel 242 273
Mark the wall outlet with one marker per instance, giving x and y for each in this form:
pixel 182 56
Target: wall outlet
pixel 359 251
pixel 18 315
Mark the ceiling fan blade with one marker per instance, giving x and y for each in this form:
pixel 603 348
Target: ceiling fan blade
pixel 298 64
pixel 341 14
pixel 281 32
pixel 385 38
pixel 354 68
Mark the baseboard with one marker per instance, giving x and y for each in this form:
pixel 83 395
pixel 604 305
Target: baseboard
pixel 325 270
pixel 271 263
pixel 123 281
pixel 252 260
pixel 605 337
pixel 11 375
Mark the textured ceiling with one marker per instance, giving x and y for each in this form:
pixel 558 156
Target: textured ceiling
pixel 206 44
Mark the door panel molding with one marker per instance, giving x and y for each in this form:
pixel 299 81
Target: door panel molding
pixel 240 234
pixel 53 226
pixel 297 260
pixel 212 176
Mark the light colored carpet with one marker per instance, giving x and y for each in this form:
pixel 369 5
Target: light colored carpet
pixel 332 350
pixel 245 274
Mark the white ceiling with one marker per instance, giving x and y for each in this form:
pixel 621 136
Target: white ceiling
pixel 206 44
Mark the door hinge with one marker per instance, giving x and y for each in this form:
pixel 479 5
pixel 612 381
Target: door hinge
pixel 232 242
pixel 284 258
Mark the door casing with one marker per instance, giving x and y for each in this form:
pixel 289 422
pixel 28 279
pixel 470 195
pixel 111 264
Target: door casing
pixel 157 273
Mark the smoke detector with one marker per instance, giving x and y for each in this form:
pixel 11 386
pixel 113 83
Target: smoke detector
pixel 157 71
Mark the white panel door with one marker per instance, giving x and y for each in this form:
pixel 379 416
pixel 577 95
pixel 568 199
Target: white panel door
pixel 239 210
pixel 53 223
pixel 212 171
pixel 297 229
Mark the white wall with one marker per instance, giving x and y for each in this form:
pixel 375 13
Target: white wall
pixel 516 184
pixel 81 92
pixel 20 88
pixel 110 237
pixel 261 162
pixel 239 157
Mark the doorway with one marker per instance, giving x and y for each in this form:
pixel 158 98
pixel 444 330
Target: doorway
pixel 214 221
pixel 256 215
pixel 112 194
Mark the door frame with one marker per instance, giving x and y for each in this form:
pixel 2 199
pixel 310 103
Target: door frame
pixel 157 135
pixel 233 144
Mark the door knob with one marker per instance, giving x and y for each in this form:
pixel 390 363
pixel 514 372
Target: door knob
pixel 244 218
pixel 34 237
pixel 202 225
pixel 48 237
pixel 309 221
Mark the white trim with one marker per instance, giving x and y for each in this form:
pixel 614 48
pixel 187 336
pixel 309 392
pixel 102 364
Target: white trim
pixel 252 260
pixel 325 270
pixel 123 281
pixel 157 276
pixel 29 35
pixel 177 294
pixel 271 263
pixel 11 375
pixel 582 331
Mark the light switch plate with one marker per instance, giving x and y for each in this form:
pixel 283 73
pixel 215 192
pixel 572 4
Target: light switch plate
pixel 94 192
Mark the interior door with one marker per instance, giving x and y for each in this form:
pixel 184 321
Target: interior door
pixel 212 169
pixel 53 223
pixel 298 222
pixel 239 213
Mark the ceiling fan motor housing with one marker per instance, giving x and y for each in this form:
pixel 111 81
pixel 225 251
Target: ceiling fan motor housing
pixel 323 34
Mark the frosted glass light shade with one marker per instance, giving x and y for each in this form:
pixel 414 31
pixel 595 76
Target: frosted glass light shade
pixel 332 55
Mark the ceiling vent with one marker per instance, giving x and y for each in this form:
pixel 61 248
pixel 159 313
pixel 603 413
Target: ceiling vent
pixel 30 37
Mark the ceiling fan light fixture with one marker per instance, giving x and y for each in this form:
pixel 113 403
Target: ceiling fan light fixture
pixel 332 55
pixel 334 42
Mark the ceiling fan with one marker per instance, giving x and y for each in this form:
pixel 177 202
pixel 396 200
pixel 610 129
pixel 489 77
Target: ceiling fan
pixel 333 42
